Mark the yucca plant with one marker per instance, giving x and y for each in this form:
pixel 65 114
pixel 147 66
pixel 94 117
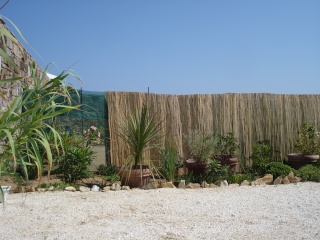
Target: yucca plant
pixel 141 132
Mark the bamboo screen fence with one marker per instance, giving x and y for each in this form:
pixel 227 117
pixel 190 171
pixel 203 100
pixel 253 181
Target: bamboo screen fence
pixel 250 117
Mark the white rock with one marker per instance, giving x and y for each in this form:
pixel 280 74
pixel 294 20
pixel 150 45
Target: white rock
pixel 193 185
pixel 116 187
pixel 204 184
pixel 70 189
pixel 277 181
pixel 168 185
pixel 212 185
pixel 95 188
pixel 182 184
pixel 41 189
pixel 224 183
pixel 84 189
pixel 234 185
pixel 245 183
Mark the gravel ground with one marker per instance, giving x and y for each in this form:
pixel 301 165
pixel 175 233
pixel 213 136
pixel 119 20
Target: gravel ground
pixel 271 212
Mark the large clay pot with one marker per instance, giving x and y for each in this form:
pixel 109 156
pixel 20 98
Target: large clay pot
pixel 136 177
pixel 298 160
pixel 196 167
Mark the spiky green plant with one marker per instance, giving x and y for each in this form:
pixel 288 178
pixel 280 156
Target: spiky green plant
pixel 26 122
pixel 140 131
pixel 168 161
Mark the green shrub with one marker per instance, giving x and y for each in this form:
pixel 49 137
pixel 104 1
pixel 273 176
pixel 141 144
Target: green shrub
pixel 228 144
pixel 262 155
pixel 112 178
pixel 190 178
pixel 78 155
pixel 238 178
pixel 278 169
pixel 109 172
pixel 203 146
pixel 309 173
pixel 215 172
pixel 308 140
pixel 317 164
pixel 106 170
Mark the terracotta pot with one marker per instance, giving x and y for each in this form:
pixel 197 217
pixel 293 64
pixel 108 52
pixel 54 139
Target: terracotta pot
pixel 298 160
pixel 135 178
pixel 195 166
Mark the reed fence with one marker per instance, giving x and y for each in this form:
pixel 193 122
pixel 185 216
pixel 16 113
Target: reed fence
pixel 250 117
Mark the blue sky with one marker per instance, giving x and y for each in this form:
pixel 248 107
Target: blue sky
pixel 177 46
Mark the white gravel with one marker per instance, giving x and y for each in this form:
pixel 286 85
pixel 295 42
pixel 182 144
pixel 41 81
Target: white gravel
pixel 271 212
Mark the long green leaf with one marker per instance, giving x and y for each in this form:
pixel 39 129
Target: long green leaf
pixel 37 155
pixel 6 57
pixel 9 80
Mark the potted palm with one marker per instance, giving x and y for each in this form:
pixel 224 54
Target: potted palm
pixel 202 147
pixel 140 131
pixel 307 146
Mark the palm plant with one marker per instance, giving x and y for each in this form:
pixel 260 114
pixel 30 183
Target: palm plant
pixel 140 131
